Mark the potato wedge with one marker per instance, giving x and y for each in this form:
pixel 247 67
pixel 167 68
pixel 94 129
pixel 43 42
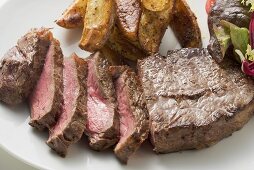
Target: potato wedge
pixel 156 5
pixel 185 26
pixel 73 17
pixel 152 28
pixel 123 47
pixel 128 14
pixel 98 22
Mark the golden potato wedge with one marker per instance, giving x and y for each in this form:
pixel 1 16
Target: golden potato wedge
pixel 99 19
pixel 113 57
pixel 123 47
pixel 185 26
pixel 128 14
pixel 73 17
pixel 152 28
pixel 156 5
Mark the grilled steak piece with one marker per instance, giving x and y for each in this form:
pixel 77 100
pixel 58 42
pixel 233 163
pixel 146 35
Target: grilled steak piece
pixel 192 101
pixel 230 10
pixel 103 123
pixel 22 65
pixel 46 99
pixel 134 119
pixel 71 124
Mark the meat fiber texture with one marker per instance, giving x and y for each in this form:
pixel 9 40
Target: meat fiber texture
pixel 46 99
pixel 103 122
pixel 72 121
pixel 134 119
pixel 22 65
pixel 192 101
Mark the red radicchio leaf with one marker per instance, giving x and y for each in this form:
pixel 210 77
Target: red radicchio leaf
pixel 251 30
pixel 248 68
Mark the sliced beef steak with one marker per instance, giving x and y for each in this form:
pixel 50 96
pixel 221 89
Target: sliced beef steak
pixel 71 124
pixel 46 99
pixel 192 101
pixel 103 123
pixel 134 119
pixel 21 66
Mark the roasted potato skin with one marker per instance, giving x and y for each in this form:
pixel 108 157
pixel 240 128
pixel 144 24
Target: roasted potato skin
pixel 156 5
pixel 73 17
pixel 128 14
pixel 99 19
pixel 185 26
pixel 131 28
pixel 152 28
pixel 122 46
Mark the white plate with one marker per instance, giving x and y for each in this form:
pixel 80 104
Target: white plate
pixel 27 144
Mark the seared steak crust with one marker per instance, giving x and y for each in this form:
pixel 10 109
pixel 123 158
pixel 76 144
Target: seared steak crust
pixel 134 119
pixel 22 65
pixel 192 101
pixel 72 121
pixel 47 98
pixel 103 122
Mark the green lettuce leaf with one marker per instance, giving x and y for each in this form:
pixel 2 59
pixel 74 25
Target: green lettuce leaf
pixel 223 36
pixel 249 53
pixel 239 36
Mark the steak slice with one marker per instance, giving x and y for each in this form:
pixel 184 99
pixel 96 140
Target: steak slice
pixel 103 122
pixel 71 124
pixel 21 66
pixel 232 11
pixel 134 119
pixel 46 99
pixel 192 101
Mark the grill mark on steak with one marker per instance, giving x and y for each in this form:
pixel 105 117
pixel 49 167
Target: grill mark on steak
pixel 71 124
pixel 180 123
pixel 21 66
pixel 230 10
pixel 134 123
pixel 46 99
pixel 103 123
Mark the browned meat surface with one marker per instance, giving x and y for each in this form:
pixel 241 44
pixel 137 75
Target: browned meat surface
pixel 46 99
pixel 71 124
pixel 22 65
pixel 134 123
pixel 192 101
pixel 103 123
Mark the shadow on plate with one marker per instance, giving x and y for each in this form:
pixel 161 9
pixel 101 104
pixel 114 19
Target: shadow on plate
pixel 16 115
pixel 72 36
pixel 225 154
